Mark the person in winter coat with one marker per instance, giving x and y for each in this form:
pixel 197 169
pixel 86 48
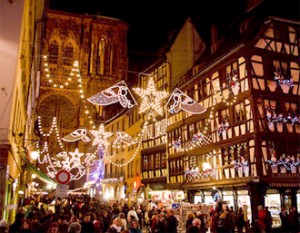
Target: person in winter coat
pixel 293 220
pixel 239 220
pixel 74 227
pixel 15 227
pixel 196 227
pixel 132 215
pixel 54 226
pixel 86 224
pixel 123 219
pixel 284 220
pixel 26 226
pixel 4 226
pixel 171 221
pixel 189 221
pixel 134 227
pixel 116 226
pixel 261 219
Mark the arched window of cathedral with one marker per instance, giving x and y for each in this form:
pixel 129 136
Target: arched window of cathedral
pixel 53 51
pixel 101 56
pixel 109 59
pixel 68 55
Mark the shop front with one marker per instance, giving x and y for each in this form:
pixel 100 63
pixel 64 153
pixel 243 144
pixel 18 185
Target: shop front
pixel 273 202
pixel 228 197
pixel 243 201
pixel 113 189
pixel 166 196
pixel 298 200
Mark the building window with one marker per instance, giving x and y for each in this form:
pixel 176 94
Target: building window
pixel 239 112
pixel 68 55
pixel 145 162
pixel 101 56
pixel 202 89
pixel 53 50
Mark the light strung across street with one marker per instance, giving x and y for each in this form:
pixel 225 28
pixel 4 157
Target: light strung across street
pixel 100 139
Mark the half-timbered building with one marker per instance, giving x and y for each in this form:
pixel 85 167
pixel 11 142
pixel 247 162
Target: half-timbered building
pixel 245 148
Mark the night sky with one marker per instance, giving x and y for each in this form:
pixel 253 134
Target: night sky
pixel 152 22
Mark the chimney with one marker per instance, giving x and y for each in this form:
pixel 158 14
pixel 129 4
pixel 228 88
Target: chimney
pixel 214 38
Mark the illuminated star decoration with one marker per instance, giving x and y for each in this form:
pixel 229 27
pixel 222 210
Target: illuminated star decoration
pixel 151 98
pixel 68 163
pixel 100 137
pixel 116 93
pixel 180 101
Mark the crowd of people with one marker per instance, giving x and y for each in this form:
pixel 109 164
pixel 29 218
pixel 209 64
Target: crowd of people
pixel 77 214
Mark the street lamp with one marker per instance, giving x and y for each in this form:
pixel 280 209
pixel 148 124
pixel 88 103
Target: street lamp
pixel 34 154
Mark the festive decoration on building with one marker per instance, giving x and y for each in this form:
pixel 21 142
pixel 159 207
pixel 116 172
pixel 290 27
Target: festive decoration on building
pixel 223 127
pixel 151 98
pixel 241 165
pixel 198 138
pixel 194 173
pixel 230 88
pixel 100 137
pixel 177 143
pixel 78 134
pixel 122 137
pixel 180 101
pixel 284 163
pixel 274 117
pixel 71 162
pixel 98 172
pixel 136 151
pixel 116 93
pixel 233 84
pixel 283 81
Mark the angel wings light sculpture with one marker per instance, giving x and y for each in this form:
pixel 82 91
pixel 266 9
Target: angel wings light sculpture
pixel 180 101
pixel 116 93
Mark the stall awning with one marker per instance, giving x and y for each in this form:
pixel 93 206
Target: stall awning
pixel 40 174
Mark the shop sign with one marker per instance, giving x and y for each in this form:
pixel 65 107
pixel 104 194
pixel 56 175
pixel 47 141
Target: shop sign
pixel 175 206
pixel 62 190
pixel 286 175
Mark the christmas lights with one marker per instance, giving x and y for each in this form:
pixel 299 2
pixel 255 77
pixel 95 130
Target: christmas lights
pixel 151 98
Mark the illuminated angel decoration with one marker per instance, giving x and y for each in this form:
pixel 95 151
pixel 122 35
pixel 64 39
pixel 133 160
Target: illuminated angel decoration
pixel 122 137
pixel 180 101
pixel 90 159
pixel 78 134
pixel 116 93
pixel 151 98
